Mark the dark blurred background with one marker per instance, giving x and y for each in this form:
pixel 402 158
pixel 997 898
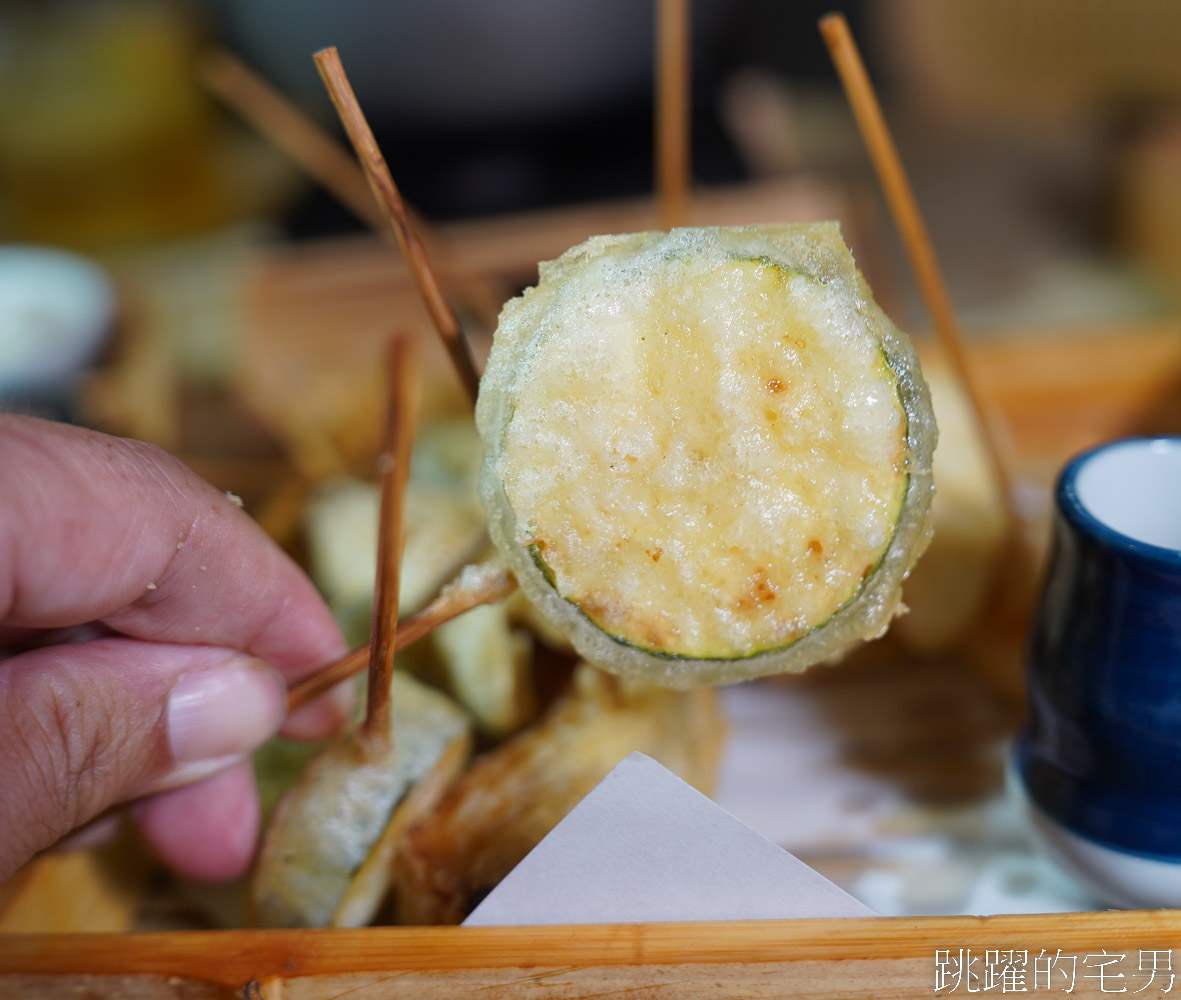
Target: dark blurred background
pixel 492 107
pixel 480 107
pixel 501 107
pixel 1045 110
pixel 1043 138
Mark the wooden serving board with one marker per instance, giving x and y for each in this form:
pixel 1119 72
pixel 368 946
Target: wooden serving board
pixel 1092 953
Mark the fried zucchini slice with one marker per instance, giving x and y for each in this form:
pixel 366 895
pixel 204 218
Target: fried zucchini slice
pixel 326 858
pixel 707 452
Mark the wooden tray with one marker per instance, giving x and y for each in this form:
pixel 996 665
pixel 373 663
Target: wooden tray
pixel 1094 953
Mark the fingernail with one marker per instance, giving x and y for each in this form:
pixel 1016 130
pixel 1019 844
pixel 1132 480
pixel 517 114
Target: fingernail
pixel 224 710
pixel 190 772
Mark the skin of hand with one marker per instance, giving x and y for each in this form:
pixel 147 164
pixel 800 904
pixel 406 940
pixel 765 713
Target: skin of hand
pixel 148 632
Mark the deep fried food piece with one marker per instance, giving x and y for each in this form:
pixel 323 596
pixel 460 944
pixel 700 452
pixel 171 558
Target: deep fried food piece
pixel 514 795
pixel 708 452
pixel 327 854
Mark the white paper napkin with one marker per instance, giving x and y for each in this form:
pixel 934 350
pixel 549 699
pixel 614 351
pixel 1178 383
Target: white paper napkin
pixel 646 846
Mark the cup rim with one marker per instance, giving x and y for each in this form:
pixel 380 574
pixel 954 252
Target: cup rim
pixel 1071 505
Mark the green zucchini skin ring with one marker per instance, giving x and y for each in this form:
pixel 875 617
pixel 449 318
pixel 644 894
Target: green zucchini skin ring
pixel 818 252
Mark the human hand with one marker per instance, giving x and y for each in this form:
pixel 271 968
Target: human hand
pixel 148 630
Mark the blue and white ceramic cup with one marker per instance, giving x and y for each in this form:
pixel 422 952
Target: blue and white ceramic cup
pixel 1099 758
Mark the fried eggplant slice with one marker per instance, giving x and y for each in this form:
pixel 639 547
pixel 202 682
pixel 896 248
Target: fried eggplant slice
pixel 511 797
pixel 707 452
pixel 327 855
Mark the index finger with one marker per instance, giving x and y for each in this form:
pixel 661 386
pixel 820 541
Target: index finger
pixel 97 528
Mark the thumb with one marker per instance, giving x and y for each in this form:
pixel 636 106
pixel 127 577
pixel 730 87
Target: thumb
pixel 86 726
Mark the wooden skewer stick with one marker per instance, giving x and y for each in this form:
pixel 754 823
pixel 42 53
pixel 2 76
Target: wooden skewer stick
pixel 290 130
pixel 905 211
pixel 394 470
pixel 390 199
pixel 672 111
pixel 474 586
pixel 325 160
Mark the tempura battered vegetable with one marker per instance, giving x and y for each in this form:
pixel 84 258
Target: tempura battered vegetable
pixel 325 859
pixel 949 588
pixel 510 798
pixel 707 452
pixel 444 527
pixel 487 666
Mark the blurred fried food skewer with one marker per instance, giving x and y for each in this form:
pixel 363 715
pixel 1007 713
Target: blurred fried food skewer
pixel 325 859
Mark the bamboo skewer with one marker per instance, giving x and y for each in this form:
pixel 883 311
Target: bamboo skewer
pixel 672 111
pixel 323 158
pixel 390 199
pixel 915 239
pixel 453 600
pixel 394 469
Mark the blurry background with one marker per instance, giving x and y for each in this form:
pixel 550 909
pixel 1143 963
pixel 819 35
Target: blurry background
pixel 229 308
pixel 1043 138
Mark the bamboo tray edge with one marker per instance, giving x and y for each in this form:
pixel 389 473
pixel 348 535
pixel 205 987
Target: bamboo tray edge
pixel 879 956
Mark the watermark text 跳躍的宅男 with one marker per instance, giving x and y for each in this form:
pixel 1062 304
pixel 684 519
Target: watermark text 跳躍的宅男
pixel 998 970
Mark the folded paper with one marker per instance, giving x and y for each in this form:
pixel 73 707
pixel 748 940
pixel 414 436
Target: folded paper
pixel 646 846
